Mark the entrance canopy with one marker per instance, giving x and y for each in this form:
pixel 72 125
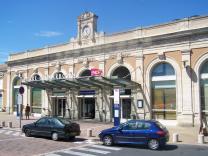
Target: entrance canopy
pixel 82 82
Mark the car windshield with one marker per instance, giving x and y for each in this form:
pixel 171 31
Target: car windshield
pixel 160 125
pixel 64 121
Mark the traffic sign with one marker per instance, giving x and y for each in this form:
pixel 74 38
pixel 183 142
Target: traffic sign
pixel 21 90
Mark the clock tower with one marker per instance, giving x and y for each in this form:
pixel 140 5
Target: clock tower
pixel 87 27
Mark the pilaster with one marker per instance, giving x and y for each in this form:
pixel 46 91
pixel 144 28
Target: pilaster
pixel 186 117
pixel 99 105
pixel 9 93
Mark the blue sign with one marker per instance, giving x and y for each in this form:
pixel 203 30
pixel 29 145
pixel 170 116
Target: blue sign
pixel 87 92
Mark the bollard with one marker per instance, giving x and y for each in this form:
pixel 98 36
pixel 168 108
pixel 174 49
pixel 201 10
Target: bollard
pixel 175 137
pixel 201 139
pixel 89 132
pixel 9 124
pixel 3 123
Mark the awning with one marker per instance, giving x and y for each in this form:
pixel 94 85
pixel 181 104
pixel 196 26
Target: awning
pixel 82 83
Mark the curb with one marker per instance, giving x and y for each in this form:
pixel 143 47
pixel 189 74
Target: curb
pixel 206 144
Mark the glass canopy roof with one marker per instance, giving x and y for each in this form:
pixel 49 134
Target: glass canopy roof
pixel 82 82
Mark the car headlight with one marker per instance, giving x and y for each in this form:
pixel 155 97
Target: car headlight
pixel 100 133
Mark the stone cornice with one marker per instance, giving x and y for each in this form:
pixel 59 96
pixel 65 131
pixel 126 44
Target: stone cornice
pixel 134 44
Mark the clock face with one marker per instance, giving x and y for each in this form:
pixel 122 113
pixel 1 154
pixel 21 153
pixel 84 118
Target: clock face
pixel 86 31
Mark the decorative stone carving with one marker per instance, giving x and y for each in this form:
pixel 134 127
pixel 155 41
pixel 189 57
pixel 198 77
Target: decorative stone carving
pixel 58 66
pixel 35 70
pixel 86 15
pixel 1 75
pixel 161 56
pixel 85 62
pixel 119 58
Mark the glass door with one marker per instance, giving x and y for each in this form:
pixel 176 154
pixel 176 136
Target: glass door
pixel 87 108
pixel 125 111
pixel 126 108
pixel 59 107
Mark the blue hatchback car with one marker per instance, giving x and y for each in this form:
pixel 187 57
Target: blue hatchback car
pixel 147 132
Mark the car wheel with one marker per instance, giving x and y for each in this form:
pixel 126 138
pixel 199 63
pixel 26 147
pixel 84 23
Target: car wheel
pixel 153 144
pixel 54 136
pixel 108 140
pixel 27 133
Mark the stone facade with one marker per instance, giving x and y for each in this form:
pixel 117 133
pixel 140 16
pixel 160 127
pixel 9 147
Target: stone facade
pixel 183 44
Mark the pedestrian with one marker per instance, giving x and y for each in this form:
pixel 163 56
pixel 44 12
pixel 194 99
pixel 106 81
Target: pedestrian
pixel 203 125
pixel 27 112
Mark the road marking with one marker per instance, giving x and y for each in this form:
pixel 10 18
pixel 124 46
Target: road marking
pixel 52 154
pixel 1 131
pixel 108 148
pixel 94 150
pixel 76 153
pixel 8 132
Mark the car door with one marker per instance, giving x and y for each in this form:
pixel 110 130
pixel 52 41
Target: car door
pixel 42 127
pixel 142 132
pixel 126 133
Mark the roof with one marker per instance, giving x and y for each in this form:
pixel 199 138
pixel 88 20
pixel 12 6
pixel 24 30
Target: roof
pixel 3 67
pixel 82 83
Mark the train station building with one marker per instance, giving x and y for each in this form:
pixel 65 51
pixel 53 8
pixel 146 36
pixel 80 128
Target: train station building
pixel 161 72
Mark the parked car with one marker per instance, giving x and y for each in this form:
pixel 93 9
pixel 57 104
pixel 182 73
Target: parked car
pixel 146 132
pixel 53 127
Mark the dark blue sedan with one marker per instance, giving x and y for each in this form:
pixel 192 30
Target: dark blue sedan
pixel 146 132
pixel 53 127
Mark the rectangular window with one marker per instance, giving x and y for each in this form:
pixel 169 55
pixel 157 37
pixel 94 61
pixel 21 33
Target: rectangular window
pixel 36 100
pixel 164 100
pixel 0 102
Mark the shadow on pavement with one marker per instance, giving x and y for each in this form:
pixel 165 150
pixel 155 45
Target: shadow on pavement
pixel 165 148
pixel 169 148
pixel 61 139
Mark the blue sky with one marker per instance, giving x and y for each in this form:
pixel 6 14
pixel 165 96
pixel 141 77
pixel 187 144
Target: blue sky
pixel 29 24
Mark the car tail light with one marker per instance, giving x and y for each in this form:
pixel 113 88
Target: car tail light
pixel 161 133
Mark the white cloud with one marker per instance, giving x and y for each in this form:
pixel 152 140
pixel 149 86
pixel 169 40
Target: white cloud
pixel 48 34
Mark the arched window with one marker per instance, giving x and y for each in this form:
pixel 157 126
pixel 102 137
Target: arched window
pixel 59 75
pixel 163 91
pixel 36 96
pixel 204 89
pixel 122 72
pixel 86 72
pixel 36 77
pixel 16 85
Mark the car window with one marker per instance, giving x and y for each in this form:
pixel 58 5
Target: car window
pixel 51 122
pixel 140 125
pixel 56 122
pixel 130 126
pixel 147 125
pixel 64 121
pixel 42 121
pixel 160 125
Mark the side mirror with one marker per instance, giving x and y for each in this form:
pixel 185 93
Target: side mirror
pixel 120 128
pixel 35 123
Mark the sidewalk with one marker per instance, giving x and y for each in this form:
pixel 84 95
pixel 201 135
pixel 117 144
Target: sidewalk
pixel 187 135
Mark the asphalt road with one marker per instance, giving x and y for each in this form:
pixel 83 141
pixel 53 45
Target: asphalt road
pixel 14 143
pixel 98 150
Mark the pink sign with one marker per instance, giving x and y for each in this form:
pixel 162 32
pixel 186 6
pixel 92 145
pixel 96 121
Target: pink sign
pixel 96 72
